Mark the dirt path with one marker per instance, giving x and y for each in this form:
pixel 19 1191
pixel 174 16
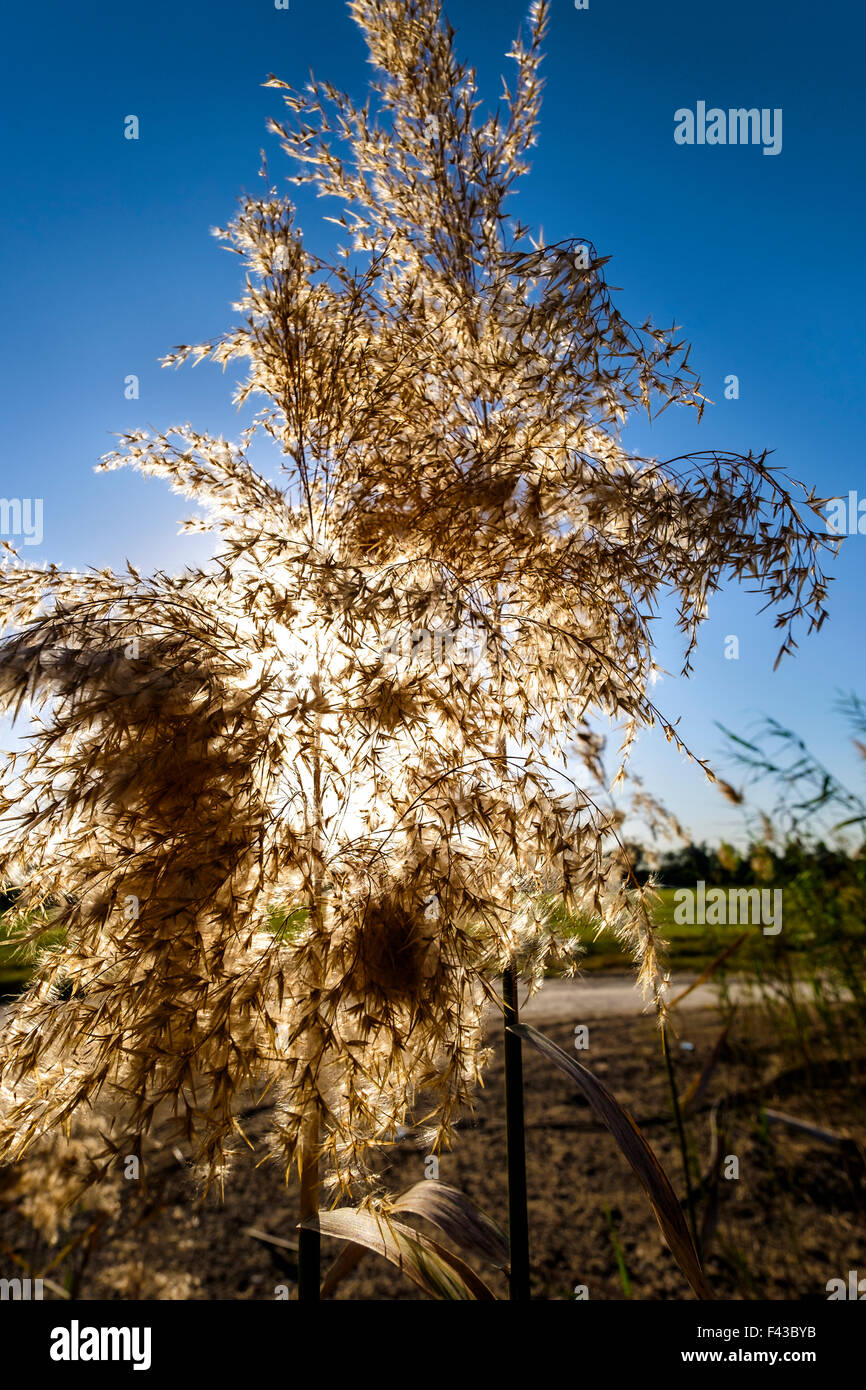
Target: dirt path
pixel 615 996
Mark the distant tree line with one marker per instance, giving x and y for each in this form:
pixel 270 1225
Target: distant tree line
pixel 758 862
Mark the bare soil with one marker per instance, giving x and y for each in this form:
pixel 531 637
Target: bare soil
pixel 794 1218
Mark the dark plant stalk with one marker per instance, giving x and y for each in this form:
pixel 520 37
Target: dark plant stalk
pixel 309 1266
pixel 309 1241
pixel 515 1131
pixel 684 1152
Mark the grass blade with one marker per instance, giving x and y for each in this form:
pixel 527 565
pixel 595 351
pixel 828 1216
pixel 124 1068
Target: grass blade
pixel 709 970
pixel 515 1144
pixel 457 1218
pixel 434 1269
pixel 618 1251
pixel 634 1146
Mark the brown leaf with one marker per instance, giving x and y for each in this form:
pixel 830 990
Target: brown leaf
pixel 700 1083
pixel 457 1218
pixel 434 1269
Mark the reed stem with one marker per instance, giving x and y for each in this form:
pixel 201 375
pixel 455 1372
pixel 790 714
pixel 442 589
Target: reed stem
pixel 515 1132
pixel 309 1241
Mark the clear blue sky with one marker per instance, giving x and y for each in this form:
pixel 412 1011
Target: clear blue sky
pixel 107 263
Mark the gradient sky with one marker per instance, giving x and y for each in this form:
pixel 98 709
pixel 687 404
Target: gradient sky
pixel 107 263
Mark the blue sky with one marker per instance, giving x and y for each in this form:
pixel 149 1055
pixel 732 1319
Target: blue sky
pixel 107 263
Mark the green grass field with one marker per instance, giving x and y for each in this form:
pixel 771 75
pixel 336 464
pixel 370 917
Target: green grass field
pixel 692 948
